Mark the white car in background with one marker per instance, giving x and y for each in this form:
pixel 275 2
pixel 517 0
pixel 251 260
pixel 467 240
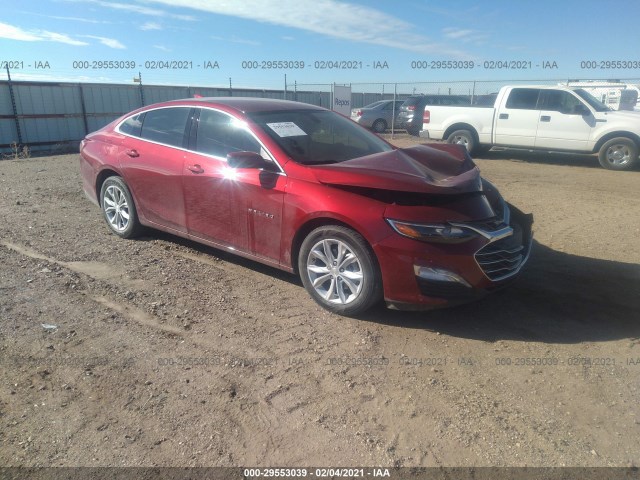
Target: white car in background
pixel 378 115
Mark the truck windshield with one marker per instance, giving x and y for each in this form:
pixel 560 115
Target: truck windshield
pixel 596 104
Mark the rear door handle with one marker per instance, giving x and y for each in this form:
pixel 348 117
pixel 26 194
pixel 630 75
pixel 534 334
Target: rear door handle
pixel 545 118
pixel 195 168
pixel 133 153
pixel 504 116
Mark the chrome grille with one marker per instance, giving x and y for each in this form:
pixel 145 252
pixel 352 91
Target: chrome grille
pixel 503 258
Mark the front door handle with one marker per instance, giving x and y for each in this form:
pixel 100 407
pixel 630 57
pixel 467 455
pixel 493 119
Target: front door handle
pixel 133 153
pixel 195 168
pixel 545 118
pixel 504 116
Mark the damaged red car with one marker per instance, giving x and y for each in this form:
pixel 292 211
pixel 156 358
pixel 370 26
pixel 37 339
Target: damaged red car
pixel 309 191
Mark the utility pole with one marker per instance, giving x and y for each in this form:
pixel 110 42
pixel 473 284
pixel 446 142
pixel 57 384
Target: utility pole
pixel 13 105
pixel 139 81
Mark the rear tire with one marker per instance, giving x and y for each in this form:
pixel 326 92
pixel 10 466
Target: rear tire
pixel 379 126
pixel 339 270
pixel 463 137
pixel 620 153
pixel 118 208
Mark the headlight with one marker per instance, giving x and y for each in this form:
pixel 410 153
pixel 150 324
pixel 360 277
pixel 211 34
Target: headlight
pixel 438 233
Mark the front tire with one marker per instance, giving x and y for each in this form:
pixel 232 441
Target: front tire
pixel 118 208
pixel 465 138
pixel 619 153
pixel 339 270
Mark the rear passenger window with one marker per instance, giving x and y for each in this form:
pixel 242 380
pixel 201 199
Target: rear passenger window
pixel 523 98
pixel 220 134
pixel 165 125
pixel 132 125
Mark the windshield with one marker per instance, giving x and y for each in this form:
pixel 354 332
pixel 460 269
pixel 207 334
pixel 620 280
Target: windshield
pixel 313 137
pixel 596 104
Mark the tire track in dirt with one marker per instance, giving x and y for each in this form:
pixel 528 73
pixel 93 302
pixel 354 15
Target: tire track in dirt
pixel 96 270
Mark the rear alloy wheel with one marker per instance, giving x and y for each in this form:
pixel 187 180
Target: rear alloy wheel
pixel 339 270
pixel 463 137
pixel 379 126
pixel 619 153
pixel 118 208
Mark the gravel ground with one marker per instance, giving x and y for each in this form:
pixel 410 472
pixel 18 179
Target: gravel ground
pixel 162 352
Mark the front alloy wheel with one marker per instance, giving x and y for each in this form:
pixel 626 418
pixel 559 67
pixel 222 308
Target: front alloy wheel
pixel 339 270
pixel 618 154
pixel 335 271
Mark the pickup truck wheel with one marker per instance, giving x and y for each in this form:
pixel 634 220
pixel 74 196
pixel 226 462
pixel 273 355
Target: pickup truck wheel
pixel 463 137
pixel 379 126
pixel 619 153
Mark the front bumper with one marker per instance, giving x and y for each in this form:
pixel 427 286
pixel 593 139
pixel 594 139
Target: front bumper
pixel 419 275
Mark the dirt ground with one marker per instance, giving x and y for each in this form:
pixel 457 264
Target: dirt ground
pixel 162 352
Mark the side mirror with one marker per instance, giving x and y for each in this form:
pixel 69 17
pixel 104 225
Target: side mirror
pixel 245 160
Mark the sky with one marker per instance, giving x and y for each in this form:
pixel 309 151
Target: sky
pixel 256 43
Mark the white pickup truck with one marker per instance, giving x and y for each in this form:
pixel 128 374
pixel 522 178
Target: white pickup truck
pixel 552 118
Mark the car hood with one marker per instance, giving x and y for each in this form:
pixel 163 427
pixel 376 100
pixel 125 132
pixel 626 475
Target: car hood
pixel 436 169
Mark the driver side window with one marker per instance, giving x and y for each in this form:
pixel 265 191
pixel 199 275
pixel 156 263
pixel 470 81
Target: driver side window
pixel 220 134
pixel 560 101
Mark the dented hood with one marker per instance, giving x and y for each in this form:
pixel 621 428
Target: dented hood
pixel 437 169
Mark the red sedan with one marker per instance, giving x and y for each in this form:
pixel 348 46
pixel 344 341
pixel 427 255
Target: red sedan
pixel 306 190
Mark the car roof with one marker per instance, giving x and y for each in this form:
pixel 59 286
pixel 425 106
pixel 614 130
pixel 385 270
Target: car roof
pixel 241 104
